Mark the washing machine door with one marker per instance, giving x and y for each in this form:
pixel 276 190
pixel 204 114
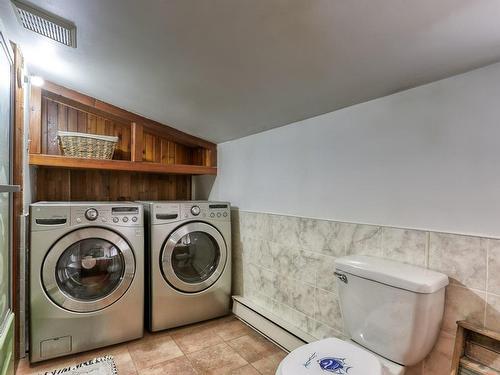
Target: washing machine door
pixel 88 269
pixel 193 257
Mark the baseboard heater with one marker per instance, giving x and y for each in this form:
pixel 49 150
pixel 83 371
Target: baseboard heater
pixel 272 326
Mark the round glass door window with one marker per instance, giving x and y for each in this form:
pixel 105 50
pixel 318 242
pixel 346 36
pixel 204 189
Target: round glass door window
pixel 90 269
pixel 195 257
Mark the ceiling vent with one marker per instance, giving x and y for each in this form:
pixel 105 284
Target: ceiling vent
pixel 46 24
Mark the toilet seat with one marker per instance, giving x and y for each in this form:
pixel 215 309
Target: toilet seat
pixel 330 356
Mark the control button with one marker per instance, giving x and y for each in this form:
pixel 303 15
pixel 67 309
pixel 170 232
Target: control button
pixel 91 214
pixel 116 220
pixel 195 210
pixel 134 219
pixel 212 215
pixel 103 220
pixel 78 220
pixel 125 219
pixel 224 214
pixel 218 214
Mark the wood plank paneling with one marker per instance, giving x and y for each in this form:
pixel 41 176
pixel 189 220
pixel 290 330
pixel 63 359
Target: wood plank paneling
pixel 137 142
pixel 100 129
pixel 35 136
pixel 55 184
pixel 82 122
pixel 91 124
pixel 62 118
pixel 148 153
pixel 72 120
pixel 182 155
pixel 159 149
pixel 89 185
pixel 124 148
pixel 52 184
pixel 44 130
pixel 52 127
pixel 202 156
pixel 167 152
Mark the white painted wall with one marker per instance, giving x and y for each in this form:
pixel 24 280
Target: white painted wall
pixel 426 158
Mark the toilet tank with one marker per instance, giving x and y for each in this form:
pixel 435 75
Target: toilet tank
pixel 391 308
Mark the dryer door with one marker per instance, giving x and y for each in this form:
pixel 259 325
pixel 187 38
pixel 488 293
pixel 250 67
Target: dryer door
pixel 193 257
pixel 88 269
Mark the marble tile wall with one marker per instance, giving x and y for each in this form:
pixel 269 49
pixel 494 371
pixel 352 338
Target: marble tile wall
pixel 284 264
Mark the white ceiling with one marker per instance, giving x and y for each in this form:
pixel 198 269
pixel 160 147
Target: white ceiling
pixel 223 69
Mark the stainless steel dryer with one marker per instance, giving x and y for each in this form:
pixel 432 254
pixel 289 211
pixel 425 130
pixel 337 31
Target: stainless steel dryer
pixel 189 262
pixel 86 276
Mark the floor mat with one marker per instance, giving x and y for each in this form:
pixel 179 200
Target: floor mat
pixel 97 366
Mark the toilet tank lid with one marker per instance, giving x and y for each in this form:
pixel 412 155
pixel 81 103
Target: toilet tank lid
pixel 396 274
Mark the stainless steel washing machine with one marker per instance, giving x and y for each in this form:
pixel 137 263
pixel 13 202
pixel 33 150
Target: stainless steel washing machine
pixel 189 262
pixel 86 276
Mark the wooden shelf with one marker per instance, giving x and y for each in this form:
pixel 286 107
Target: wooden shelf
pixel 58 161
pixel 475 367
pixel 153 160
pixel 476 350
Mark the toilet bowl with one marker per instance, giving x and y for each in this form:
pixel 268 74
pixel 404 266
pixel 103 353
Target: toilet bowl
pixel 391 311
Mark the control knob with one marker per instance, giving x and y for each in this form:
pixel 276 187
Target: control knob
pixel 91 214
pixel 195 210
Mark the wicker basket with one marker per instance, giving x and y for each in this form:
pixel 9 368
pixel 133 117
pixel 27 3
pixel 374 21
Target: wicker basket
pixel 82 145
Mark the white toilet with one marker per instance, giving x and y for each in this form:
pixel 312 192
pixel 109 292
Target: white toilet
pixel 392 313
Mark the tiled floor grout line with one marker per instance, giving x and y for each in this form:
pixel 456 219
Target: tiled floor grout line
pixel 131 358
pixel 256 369
pixel 189 360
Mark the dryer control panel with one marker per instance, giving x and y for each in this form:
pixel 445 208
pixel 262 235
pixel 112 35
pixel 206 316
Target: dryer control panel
pixel 219 211
pixel 204 211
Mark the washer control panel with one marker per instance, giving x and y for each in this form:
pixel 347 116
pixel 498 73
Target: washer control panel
pixel 107 214
pixel 163 212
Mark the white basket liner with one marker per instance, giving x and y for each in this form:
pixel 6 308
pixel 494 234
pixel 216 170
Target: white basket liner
pixel 108 138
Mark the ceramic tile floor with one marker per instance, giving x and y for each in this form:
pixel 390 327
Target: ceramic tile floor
pixel 220 346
